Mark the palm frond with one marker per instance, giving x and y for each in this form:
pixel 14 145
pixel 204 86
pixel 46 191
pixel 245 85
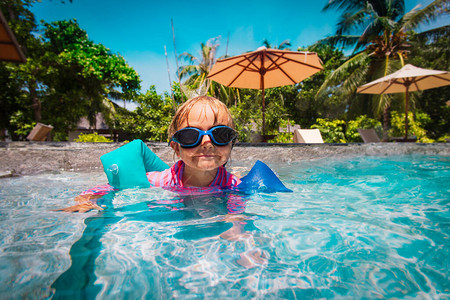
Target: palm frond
pixel 341 76
pixel 188 70
pixel 284 45
pixel 189 57
pixel 435 32
pixel 342 5
pixel 349 22
pixel 337 40
pixel 416 16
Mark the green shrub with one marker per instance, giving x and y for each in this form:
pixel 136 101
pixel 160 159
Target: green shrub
pixel 92 138
pixel 332 131
pixel 364 122
pixel 243 116
pixel 22 125
pixel 415 127
pixel 282 137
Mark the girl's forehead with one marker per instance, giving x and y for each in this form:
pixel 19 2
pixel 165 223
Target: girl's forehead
pixel 202 112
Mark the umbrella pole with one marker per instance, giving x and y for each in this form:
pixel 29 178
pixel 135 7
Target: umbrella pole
pixel 406 112
pixel 263 107
pixel 263 114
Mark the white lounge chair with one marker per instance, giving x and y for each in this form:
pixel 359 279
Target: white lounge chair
pixel 369 135
pixel 307 136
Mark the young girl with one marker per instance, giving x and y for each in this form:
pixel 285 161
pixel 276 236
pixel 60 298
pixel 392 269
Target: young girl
pixel 202 136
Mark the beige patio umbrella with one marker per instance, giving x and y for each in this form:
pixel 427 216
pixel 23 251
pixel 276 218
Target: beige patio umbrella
pixel 407 79
pixel 265 68
pixel 9 48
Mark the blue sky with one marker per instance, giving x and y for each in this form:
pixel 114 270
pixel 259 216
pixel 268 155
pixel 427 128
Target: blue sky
pixel 138 30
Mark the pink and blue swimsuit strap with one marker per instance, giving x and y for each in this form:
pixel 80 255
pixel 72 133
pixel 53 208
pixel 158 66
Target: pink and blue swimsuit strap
pixel 173 177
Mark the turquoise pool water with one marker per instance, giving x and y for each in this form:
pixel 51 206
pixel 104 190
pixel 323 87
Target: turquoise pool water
pixel 365 227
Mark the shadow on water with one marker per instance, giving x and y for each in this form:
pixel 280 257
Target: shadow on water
pixel 78 282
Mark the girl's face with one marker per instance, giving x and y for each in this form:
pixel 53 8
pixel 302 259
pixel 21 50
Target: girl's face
pixel 206 156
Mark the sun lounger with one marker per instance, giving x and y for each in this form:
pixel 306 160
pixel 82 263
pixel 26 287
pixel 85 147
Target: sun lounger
pixel 307 136
pixel 40 133
pixel 369 135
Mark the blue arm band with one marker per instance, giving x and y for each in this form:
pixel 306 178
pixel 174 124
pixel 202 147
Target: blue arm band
pixel 126 167
pixel 261 178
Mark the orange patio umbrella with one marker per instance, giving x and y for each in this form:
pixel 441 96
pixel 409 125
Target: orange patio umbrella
pixel 407 79
pixel 265 68
pixel 9 48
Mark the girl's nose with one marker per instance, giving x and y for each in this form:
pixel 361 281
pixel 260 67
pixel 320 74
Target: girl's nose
pixel 206 140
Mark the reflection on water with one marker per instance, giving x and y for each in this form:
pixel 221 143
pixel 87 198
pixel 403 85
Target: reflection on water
pixel 367 227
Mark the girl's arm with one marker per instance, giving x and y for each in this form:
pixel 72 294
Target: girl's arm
pixel 87 200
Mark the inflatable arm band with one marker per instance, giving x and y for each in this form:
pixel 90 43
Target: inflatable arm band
pixel 261 178
pixel 126 167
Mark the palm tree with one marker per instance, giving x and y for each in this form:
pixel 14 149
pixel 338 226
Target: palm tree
pixel 195 73
pixel 284 45
pixel 378 33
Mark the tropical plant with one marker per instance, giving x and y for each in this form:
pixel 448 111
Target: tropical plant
pixel 151 119
pixel 24 126
pixel 92 70
pixel 364 122
pixel 301 101
pixel 284 45
pixel 378 32
pixel 246 116
pixel 66 75
pixel 195 73
pixel 430 51
pixel 283 137
pixel 416 126
pixel 92 138
pixel 333 131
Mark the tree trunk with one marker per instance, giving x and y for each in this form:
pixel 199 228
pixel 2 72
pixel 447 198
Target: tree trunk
pixel 36 103
pixel 386 121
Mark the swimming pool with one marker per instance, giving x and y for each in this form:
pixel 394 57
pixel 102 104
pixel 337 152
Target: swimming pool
pixel 362 227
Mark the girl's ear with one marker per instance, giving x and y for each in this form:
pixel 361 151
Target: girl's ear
pixel 175 147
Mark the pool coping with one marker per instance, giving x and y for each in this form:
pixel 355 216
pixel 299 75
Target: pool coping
pixel 28 158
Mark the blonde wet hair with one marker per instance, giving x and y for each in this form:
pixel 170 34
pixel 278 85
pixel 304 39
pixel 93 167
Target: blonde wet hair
pixel 183 111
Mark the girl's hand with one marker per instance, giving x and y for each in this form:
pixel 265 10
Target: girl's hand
pixel 81 207
pixel 85 203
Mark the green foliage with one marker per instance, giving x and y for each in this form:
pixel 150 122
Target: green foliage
pixel 415 126
pixel 92 138
pixel 378 32
pixel 243 116
pixel 66 76
pixel 303 104
pixel 364 122
pixel 23 125
pixel 333 131
pixel 283 137
pixel 430 51
pixel 151 119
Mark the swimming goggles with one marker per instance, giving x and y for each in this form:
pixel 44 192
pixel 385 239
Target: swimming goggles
pixel 191 137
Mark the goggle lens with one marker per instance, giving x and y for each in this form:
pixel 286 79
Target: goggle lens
pixel 191 137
